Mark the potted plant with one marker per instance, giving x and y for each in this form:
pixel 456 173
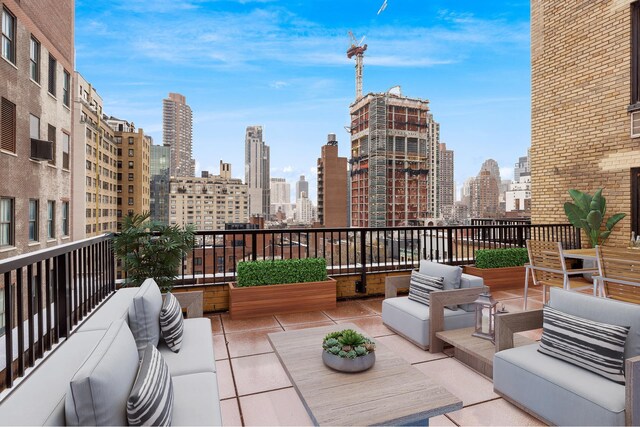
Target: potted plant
pixel 500 268
pixel 150 249
pixel 281 286
pixel 588 212
pixel 348 351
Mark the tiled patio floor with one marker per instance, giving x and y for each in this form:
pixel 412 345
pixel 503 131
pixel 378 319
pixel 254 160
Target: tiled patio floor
pixel 255 390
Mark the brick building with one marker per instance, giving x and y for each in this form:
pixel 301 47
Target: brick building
pixel 36 67
pixel 585 98
pixel 332 186
pixel 447 185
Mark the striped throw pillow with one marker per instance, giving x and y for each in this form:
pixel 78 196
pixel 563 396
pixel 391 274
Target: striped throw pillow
pixel 171 322
pixel 422 285
pixel 151 400
pixel 597 347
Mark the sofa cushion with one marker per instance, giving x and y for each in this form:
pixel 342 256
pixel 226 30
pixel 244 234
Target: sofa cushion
pixel 98 392
pixel 116 307
pixel 421 285
pixel 450 273
pixel 595 346
pixel 196 354
pixel 559 392
pixel 151 398
pixel 470 281
pixel 601 310
pixel 144 315
pixel 197 402
pixel 171 322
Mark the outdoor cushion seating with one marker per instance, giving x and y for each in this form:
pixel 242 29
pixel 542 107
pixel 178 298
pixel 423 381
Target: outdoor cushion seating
pixel 558 392
pixel 196 398
pixel 414 320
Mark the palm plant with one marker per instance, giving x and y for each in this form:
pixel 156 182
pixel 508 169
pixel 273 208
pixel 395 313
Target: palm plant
pixel 150 249
pixel 588 212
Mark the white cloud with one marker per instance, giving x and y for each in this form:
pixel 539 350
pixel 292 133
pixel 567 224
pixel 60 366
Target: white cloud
pixel 506 172
pixel 278 84
pixel 313 170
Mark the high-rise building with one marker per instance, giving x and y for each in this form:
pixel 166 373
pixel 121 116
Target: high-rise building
pixel 446 183
pixel 209 202
pixel 485 192
pixel 305 212
pixel 134 194
pixel 177 121
pixel 522 167
pixel 332 185
pixel 394 156
pixel 159 185
pixel 518 197
pixel 256 172
pixel 280 197
pixel 35 124
pixel 95 171
pixel 301 185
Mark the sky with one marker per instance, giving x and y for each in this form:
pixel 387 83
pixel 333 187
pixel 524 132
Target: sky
pixel 283 65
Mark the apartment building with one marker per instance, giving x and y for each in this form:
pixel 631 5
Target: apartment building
pixel 256 167
pixel 301 185
pixel 305 212
pixel 280 198
pixel 36 115
pixel 209 202
pixel 177 133
pixel 446 183
pixel 95 171
pixel 394 160
pixel 518 197
pixel 332 185
pixel 160 182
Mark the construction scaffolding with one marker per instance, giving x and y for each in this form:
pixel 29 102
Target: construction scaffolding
pixel 378 162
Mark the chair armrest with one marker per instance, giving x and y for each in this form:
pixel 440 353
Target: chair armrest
pixel 509 323
pixel 438 300
pixel 393 283
pixel 191 302
pixel 471 281
pixel 632 389
pixel 582 271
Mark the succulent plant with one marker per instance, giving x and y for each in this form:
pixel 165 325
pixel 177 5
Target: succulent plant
pixel 348 344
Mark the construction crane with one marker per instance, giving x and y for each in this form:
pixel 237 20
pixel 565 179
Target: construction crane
pixel 357 49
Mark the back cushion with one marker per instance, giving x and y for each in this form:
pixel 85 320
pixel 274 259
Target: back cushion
pixel 450 273
pixel 601 310
pixel 99 390
pixel 422 285
pixel 144 315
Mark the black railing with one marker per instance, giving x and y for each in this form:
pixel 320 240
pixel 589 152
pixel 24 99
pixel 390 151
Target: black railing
pixel 46 293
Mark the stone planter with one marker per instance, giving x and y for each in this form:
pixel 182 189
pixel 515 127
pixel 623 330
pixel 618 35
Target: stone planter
pixel 344 364
pixel 500 278
pixel 255 301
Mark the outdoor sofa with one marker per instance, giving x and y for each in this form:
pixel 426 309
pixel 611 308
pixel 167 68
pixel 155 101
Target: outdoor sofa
pixel 106 336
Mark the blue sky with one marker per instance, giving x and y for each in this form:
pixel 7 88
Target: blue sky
pixel 283 65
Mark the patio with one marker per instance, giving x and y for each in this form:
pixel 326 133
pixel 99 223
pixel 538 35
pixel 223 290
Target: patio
pixel 255 390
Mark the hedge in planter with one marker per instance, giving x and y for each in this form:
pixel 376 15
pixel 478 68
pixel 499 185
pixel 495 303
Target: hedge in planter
pixel 281 271
pixel 499 258
pixel 500 268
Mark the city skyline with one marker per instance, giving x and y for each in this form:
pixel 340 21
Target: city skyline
pixel 290 72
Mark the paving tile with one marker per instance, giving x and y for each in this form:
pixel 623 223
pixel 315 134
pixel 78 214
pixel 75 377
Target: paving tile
pixel 517 304
pixel 309 325
pixel 374 304
pixel 497 412
pixel 255 374
pixel 370 325
pixel 274 408
pixel 441 420
pixel 231 326
pixel 250 343
pixel 461 381
pixel 220 347
pixel 230 412
pixel 301 318
pixel 226 387
pixel 348 310
pixel 406 350
pixel 216 324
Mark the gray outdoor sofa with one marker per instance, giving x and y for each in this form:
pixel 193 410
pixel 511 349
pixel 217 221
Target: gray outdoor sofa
pixel 40 398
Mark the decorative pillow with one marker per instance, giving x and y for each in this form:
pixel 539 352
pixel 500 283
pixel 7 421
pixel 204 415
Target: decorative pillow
pixel 144 315
pixel 151 400
pixel 99 390
pixel 422 285
pixel 171 322
pixel 597 347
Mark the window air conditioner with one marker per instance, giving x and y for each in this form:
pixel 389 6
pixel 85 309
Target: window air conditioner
pixel 41 150
pixel 635 124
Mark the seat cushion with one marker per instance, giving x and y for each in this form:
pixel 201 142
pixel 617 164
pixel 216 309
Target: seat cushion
pixel 98 392
pixel 557 391
pixel 115 308
pixel 196 353
pixel 411 319
pixel 196 400
pixel 144 315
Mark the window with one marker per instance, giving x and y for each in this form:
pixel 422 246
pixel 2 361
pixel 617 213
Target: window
pixel 117 140
pixel 34 57
pixel 8 126
pixel 197 261
pixel 130 177
pixel 52 75
pixel 65 151
pixel 131 189
pixel 8 36
pixel 33 220
pixel 130 165
pixel 66 82
pixel 130 201
pixel 130 140
pixel 65 218
pixel 51 222
pixel 130 152
pixel 52 138
pixel 6 222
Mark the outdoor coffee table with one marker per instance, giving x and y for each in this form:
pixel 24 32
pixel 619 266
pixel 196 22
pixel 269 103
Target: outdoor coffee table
pixel 391 392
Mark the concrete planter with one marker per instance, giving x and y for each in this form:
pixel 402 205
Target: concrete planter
pixel 256 301
pixel 500 278
pixel 344 364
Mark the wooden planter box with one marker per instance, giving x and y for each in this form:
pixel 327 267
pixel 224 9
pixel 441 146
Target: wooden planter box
pixel 255 301
pixel 500 278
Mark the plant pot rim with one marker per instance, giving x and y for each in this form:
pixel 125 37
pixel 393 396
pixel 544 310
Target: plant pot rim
pixel 344 364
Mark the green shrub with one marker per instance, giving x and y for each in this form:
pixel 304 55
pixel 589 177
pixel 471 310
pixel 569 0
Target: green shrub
pixel 496 258
pixel 260 273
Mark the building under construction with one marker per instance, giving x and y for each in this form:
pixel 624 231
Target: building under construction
pixel 394 161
